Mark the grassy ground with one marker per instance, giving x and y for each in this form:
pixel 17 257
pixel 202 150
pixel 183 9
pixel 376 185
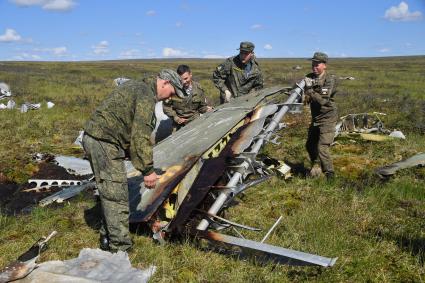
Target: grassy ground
pixel 375 227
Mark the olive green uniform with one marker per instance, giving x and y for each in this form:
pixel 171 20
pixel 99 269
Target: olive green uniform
pixel 188 107
pixel 324 116
pixel 237 77
pixel 121 124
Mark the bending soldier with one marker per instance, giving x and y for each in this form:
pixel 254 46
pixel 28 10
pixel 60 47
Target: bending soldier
pixel 320 88
pixel 123 123
pixel 238 75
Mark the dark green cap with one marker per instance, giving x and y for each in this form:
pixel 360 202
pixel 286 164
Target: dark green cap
pixel 246 46
pixel 320 57
pixel 174 78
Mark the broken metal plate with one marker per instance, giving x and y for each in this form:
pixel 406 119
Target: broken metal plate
pixel 416 160
pixel 265 252
pixel 179 152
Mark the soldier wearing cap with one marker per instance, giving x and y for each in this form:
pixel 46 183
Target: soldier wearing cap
pixel 122 125
pixel 187 108
pixel 320 89
pixel 238 75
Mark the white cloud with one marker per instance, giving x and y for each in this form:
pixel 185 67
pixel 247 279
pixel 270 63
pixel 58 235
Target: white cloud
pixel 179 24
pixel 383 50
pixel 402 13
pixel 101 48
pixel 150 13
pixel 59 51
pixel 55 51
pixel 213 56
pixel 130 54
pixel 27 56
pixel 256 27
pixel 51 5
pixel 268 47
pixel 171 52
pixel 10 35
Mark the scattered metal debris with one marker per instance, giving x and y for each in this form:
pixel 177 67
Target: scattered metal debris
pixel 297 68
pixel 4 90
pixel 79 140
pixel 26 262
pixel 81 167
pixel 50 104
pixel 11 104
pixel 67 193
pixel 271 229
pixel 40 183
pixel 397 134
pixel 367 126
pixel 120 81
pixel 347 78
pixel 389 170
pixel 29 106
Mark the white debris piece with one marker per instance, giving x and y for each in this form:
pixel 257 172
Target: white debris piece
pixel 74 165
pixel 79 140
pixel 92 265
pixel 29 106
pixel 78 166
pixel 3 106
pixel 397 134
pixel 50 104
pixel 4 90
pixel 11 104
pixel 120 81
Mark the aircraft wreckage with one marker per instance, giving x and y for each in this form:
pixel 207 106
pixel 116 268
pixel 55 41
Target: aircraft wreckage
pixel 206 165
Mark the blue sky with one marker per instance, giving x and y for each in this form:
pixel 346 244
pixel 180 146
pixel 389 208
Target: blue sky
pixel 78 30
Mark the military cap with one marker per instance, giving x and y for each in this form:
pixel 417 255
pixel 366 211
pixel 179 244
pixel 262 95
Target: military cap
pixel 174 78
pixel 246 46
pixel 320 57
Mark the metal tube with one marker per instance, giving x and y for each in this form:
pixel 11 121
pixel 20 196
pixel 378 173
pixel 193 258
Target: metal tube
pixel 221 199
pixel 271 229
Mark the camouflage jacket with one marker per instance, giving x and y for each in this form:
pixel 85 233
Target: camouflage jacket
pixel 323 109
pixel 230 75
pixel 189 107
pixel 126 118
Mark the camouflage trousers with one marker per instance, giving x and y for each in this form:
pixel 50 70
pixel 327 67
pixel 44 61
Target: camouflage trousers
pixel 318 146
pixel 107 162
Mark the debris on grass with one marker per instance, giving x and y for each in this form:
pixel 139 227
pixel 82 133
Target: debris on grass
pixel 26 262
pixel 367 126
pixel 120 81
pixel 389 170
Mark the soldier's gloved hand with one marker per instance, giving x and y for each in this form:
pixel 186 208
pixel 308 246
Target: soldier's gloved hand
pixel 308 82
pixel 227 95
pixel 150 180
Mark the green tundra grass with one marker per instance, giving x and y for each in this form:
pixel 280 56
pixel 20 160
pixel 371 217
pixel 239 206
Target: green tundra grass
pixel 376 228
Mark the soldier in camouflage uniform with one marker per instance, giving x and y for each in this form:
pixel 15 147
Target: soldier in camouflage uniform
pixel 184 109
pixel 238 75
pixel 123 124
pixel 320 88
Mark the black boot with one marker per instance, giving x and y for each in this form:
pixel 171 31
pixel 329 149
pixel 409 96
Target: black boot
pixel 330 176
pixel 104 242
